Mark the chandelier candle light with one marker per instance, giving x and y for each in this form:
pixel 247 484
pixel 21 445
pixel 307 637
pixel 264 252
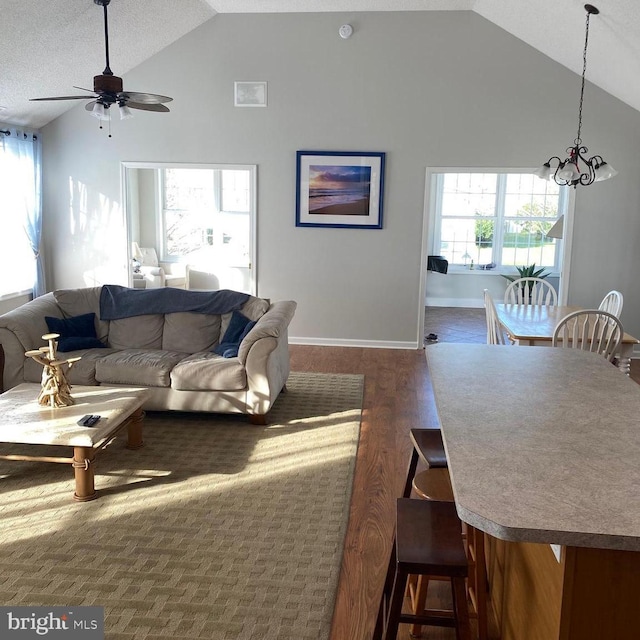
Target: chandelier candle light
pixel 577 168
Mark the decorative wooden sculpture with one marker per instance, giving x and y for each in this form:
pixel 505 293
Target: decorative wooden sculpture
pixel 56 391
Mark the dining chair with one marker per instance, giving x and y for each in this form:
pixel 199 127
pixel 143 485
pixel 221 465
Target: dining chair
pixel 495 334
pixel 612 303
pixel 590 330
pixel 531 291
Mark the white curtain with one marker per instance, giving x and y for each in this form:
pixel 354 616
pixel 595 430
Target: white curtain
pixel 21 212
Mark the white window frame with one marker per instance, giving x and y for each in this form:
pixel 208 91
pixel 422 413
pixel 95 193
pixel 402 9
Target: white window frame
pixel 499 218
pixel 217 202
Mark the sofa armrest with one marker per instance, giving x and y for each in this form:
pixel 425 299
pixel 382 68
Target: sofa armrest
pixel 265 354
pixel 13 359
pixel 1 369
pixel 273 324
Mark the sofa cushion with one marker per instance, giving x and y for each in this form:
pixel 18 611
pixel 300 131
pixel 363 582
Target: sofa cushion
pixel 74 302
pixel 190 332
pixel 138 332
pixel 208 372
pixel 77 332
pixel 144 367
pixel 81 372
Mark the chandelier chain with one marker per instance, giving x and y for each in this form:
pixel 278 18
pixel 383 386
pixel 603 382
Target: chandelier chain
pixel 578 140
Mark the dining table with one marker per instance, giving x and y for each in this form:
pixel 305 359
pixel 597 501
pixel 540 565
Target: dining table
pixel 533 325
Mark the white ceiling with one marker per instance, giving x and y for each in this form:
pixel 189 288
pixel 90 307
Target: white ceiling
pixel 47 47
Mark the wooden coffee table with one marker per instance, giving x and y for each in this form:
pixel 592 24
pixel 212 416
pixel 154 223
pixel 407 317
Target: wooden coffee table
pixel 24 421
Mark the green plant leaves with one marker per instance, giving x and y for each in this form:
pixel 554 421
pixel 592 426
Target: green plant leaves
pixel 528 272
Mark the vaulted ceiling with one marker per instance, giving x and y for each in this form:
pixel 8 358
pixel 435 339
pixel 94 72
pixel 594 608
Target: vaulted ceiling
pixel 47 48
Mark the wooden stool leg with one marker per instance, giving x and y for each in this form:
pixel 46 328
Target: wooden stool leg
pixel 395 605
pixel 419 604
pixel 459 592
pixel 383 609
pixel 411 472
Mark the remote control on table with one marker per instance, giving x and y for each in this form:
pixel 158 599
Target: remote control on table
pixel 89 420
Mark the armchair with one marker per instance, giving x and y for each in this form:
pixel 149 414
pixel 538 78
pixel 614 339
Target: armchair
pixel 151 271
pixel 153 275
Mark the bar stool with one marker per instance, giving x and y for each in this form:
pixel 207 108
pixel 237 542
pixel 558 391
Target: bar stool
pixel 428 541
pixel 435 484
pixel 428 447
pixel 432 484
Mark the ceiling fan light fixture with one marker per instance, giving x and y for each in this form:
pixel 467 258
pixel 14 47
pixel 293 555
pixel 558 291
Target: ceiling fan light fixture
pixel 99 111
pixel 125 112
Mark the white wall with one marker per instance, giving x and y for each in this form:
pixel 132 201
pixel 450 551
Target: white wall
pixel 429 89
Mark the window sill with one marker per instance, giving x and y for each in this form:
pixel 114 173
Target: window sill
pixel 462 271
pixel 16 294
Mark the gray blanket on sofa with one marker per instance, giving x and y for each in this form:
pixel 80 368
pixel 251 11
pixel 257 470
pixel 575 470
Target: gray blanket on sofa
pixel 121 302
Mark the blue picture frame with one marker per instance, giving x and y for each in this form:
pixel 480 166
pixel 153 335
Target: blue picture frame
pixel 339 189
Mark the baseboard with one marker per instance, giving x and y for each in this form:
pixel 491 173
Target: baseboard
pixel 467 303
pixel 343 342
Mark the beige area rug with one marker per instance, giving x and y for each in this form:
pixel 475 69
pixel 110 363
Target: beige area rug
pixel 216 529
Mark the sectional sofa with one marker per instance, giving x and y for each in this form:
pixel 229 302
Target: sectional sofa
pixel 172 353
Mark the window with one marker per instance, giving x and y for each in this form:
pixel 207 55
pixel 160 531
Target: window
pixel 19 211
pixel 500 218
pixel 206 211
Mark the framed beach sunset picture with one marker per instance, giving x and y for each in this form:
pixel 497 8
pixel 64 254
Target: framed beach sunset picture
pixel 339 189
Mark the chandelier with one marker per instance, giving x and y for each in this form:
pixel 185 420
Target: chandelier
pixel 577 168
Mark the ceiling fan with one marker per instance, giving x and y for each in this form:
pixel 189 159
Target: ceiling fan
pixel 107 89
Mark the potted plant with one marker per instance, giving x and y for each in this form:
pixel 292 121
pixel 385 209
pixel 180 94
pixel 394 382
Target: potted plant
pixel 527 272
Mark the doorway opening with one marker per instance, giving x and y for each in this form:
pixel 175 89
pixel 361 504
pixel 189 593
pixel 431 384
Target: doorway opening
pixel 200 219
pixel 485 224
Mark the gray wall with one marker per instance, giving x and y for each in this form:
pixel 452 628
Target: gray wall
pixel 433 89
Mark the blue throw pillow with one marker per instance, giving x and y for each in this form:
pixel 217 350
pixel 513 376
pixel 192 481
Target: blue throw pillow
pixel 78 332
pixel 231 352
pixel 239 327
pixel 76 343
pixel 236 326
pixel 247 328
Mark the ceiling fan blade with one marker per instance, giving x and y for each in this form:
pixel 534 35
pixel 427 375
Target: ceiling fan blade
pixel 147 107
pixel 83 89
pixel 62 98
pixel 144 98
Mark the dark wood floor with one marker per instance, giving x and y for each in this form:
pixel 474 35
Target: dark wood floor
pixel 397 397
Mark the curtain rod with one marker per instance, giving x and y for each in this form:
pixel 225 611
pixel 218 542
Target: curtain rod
pixel 6 132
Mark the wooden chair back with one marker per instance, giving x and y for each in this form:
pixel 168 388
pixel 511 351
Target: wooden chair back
pixel 494 328
pixel 590 330
pixel 531 291
pixel 612 303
